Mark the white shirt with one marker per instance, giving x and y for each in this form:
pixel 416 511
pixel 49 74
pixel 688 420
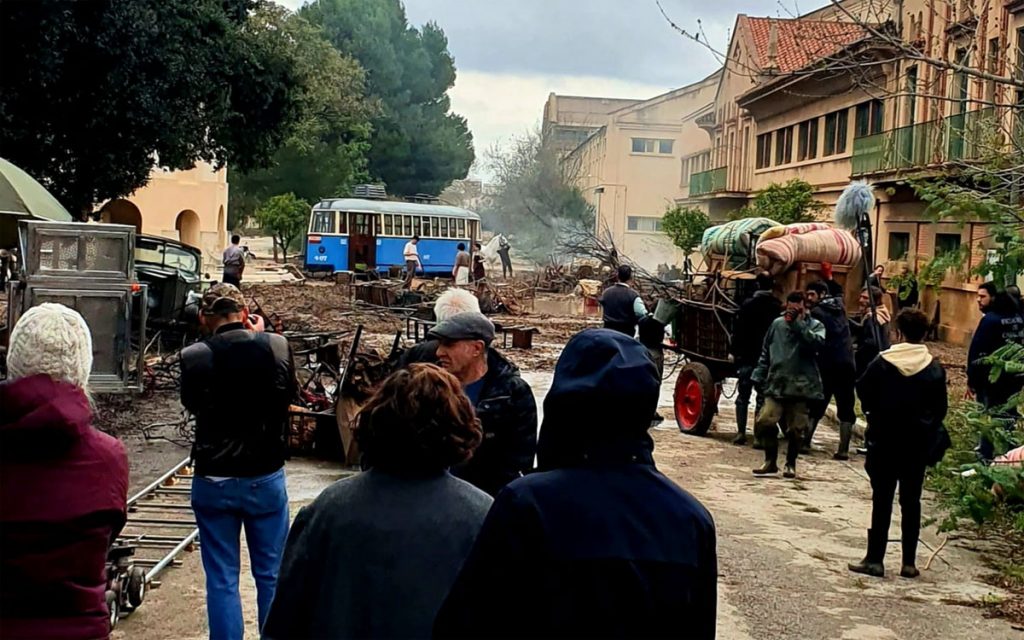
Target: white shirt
pixel 410 252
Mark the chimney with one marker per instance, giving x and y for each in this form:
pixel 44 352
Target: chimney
pixel 773 45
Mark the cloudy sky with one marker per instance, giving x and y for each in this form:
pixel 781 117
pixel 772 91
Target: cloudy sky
pixel 510 55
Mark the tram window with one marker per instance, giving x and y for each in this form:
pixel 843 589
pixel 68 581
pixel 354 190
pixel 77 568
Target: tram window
pixel 462 228
pixel 444 227
pixel 323 222
pixel 388 228
pixel 408 225
pixel 425 229
pixel 435 227
pixel 342 222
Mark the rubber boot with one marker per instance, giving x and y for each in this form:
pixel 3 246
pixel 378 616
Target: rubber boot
pixel 909 568
pixel 741 424
pixel 806 445
pixel 873 562
pixel 845 433
pixel 771 455
pixel 791 454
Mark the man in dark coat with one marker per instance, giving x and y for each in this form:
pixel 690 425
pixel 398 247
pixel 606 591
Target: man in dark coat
pixel 598 543
pixel 1001 324
pixel 903 394
pixel 503 401
pixel 621 306
pixel 449 303
pixel 870 331
pixel 835 362
pixel 752 322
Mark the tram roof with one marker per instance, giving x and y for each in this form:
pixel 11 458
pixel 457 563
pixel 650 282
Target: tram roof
pixel 395 206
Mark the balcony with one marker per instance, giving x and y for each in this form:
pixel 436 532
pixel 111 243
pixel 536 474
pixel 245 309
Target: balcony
pixel 706 182
pixel 956 138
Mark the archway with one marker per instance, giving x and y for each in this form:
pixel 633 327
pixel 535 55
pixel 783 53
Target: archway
pixel 122 212
pixel 187 225
pixel 221 227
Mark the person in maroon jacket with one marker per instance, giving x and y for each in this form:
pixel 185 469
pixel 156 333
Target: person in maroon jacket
pixel 63 484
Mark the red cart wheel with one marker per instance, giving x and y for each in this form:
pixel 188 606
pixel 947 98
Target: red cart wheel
pixel 695 399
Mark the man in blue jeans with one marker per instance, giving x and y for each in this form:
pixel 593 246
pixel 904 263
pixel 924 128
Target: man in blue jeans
pixel 238 383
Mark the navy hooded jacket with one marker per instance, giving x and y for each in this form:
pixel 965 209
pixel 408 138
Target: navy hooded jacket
pixel 597 543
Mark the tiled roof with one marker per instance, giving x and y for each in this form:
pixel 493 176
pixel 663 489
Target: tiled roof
pixel 800 42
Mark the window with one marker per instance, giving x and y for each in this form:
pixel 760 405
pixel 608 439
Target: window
pixel 911 95
pixel 899 246
pixel 784 146
pixel 425 227
pixel 652 145
pixel 807 140
pixel 435 227
pixel 643 224
pixel 462 228
pixel 388 224
pixel 960 82
pixel 343 222
pixel 993 68
pixel 407 223
pixel 764 150
pixel 946 243
pixel 323 222
pixel 836 125
pixel 868 119
pixel 444 228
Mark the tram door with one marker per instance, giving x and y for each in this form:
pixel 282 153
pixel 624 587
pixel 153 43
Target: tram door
pixel 362 243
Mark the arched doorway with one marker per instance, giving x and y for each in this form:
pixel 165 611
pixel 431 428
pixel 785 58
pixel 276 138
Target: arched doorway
pixel 222 230
pixel 187 225
pixel 122 212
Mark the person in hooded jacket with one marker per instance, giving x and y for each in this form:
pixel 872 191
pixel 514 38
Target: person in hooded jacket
pixel 755 316
pixel 835 362
pixel 597 542
pixel 903 394
pixel 63 484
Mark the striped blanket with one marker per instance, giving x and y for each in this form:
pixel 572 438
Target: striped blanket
pixel 733 238
pixel 820 245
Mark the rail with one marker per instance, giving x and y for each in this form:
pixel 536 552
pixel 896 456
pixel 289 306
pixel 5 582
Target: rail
pixel 711 181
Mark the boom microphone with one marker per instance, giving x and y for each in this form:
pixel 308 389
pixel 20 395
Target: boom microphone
pixel 854 205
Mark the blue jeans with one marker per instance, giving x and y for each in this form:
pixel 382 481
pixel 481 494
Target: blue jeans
pixel 260 504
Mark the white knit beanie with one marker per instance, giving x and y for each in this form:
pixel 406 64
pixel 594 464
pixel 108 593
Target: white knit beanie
pixel 54 340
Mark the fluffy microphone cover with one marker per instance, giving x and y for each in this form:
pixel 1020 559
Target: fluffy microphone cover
pixel 856 200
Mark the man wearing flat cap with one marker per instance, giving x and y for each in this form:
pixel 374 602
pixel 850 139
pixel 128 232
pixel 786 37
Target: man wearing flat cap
pixel 238 384
pixel 503 400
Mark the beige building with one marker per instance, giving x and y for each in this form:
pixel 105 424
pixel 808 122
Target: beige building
pixel 569 120
pixel 825 100
pixel 188 206
pixel 629 169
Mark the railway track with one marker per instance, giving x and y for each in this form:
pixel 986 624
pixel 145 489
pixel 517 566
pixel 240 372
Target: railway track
pixel 159 528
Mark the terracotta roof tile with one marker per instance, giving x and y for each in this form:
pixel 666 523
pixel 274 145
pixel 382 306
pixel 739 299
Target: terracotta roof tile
pixel 801 42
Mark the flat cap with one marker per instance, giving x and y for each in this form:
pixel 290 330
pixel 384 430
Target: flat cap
pixel 222 299
pixel 464 326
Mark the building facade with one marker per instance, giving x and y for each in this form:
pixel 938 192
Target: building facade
pixel 188 206
pixel 629 169
pixel 834 96
pixel 569 120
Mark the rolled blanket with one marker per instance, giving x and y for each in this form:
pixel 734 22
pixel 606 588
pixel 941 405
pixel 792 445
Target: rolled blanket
pixel 733 238
pixel 795 228
pixel 825 245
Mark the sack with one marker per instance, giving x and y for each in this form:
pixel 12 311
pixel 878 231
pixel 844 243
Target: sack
pixel 733 238
pixel 837 246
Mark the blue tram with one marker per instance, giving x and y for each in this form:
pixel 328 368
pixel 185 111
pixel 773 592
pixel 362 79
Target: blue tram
pixel 352 234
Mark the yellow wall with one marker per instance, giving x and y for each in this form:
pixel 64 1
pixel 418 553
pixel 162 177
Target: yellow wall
pixel 189 206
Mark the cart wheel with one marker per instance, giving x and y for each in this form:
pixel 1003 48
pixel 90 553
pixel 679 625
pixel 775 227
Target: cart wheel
pixel 114 608
pixel 695 397
pixel 137 586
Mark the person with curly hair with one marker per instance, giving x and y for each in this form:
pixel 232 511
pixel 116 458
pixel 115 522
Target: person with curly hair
pixel 375 554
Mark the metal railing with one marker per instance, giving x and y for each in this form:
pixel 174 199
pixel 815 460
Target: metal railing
pixel 711 181
pixel 961 137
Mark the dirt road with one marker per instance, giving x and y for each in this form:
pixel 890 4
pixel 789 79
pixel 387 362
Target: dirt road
pixel 783 546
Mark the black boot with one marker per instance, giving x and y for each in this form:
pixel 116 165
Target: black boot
pixel 845 433
pixel 806 445
pixel 910 536
pixel 741 424
pixel 872 564
pixel 791 453
pixel 771 455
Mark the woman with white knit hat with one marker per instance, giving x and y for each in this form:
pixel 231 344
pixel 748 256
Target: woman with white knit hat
pixel 63 484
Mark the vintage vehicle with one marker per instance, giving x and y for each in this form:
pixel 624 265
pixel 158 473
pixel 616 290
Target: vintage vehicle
pixel 172 272
pixel 369 234
pixel 90 268
pixel 702 319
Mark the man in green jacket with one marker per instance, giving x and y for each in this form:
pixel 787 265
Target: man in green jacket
pixel 787 374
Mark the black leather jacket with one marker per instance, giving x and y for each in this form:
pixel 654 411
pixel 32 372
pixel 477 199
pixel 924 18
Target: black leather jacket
pixel 238 384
